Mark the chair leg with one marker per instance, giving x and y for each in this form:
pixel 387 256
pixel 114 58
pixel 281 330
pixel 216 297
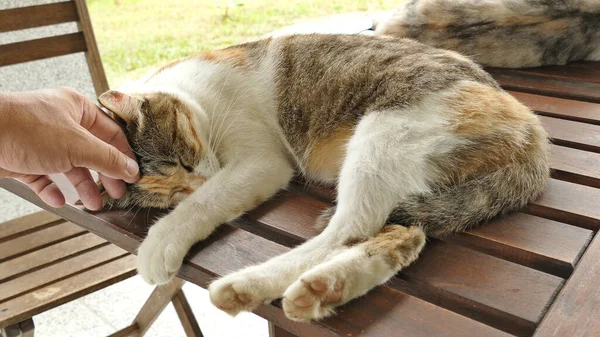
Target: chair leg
pixel 275 331
pixel 186 316
pixel 22 329
pixel 158 301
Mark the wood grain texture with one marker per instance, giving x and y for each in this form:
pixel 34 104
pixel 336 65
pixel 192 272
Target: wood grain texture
pixel 543 85
pixel 576 311
pixel 576 166
pixel 577 135
pixel 27 224
pixel 58 271
pixel 45 256
pixel 549 246
pixel 37 16
pixel 36 240
pixel 38 49
pixel 578 111
pixel 569 203
pixel 582 71
pixel 92 54
pixel 66 290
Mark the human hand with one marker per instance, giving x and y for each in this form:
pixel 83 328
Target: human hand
pixel 61 131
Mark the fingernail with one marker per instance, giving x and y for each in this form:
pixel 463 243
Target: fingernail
pixel 132 168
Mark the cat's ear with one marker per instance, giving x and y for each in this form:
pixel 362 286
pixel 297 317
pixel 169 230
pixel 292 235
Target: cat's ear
pixel 125 107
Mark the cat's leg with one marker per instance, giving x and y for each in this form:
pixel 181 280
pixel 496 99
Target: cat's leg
pixel 387 160
pixel 231 192
pixel 352 273
pixel 377 172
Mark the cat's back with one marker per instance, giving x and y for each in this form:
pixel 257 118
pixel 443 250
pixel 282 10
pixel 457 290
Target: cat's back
pixel 324 74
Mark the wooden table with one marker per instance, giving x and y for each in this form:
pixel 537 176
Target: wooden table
pixel 532 273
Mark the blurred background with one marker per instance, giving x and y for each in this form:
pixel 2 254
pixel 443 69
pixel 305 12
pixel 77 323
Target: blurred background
pixel 136 35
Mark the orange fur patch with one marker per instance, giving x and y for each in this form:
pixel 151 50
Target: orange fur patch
pixel 325 157
pixel 504 131
pixel 481 109
pixel 398 245
pixel 176 183
pixel 234 56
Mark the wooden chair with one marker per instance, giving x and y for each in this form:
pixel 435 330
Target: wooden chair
pixel 46 261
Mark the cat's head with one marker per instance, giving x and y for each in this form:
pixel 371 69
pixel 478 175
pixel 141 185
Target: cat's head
pixel 165 133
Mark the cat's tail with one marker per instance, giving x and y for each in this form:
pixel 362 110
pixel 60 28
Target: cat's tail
pixel 476 200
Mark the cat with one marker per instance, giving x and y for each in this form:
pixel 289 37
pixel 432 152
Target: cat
pixel 418 141
pixel 503 33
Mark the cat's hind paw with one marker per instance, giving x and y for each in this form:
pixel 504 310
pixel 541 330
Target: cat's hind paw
pixel 313 297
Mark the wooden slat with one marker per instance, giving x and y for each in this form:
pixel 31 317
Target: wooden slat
pixel 50 254
pixel 576 166
pixel 92 55
pixel 39 239
pixel 215 257
pixel 576 311
pixel 55 294
pixel 367 316
pixel 584 71
pixel 37 16
pixel 542 85
pixel 578 111
pixel 569 203
pixel 129 331
pixel 275 331
pixel 522 293
pixel 542 244
pixel 57 271
pixel 27 224
pixel 573 134
pixel 186 315
pixel 156 303
pixel 38 49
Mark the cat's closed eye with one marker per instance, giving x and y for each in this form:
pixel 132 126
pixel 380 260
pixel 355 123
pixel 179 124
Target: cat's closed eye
pixel 188 168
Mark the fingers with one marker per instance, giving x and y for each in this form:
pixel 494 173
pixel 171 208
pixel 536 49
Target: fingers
pixel 45 189
pixel 93 153
pixel 103 127
pixel 86 188
pixel 115 188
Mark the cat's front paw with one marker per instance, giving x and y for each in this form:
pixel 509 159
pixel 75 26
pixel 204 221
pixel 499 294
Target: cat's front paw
pixel 312 297
pixel 161 254
pixel 241 292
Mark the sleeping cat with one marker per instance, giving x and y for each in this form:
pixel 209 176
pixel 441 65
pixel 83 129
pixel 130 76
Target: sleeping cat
pixel 503 33
pixel 417 140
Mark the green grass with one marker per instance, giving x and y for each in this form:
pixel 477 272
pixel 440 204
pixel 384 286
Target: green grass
pixel 138 35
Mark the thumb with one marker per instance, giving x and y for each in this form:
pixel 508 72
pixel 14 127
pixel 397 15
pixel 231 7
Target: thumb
pixel 105 159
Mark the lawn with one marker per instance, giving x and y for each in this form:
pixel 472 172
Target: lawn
pixel 137 35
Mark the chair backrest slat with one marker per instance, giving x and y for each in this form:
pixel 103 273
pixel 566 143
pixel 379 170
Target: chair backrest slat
pixel 37 16
pixel 38 49
pixel 46 15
